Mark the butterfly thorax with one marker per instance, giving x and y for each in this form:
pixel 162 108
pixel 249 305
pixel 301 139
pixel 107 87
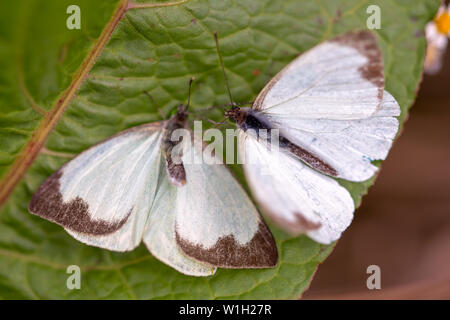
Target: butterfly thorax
pixel 247 118
pixel 172 148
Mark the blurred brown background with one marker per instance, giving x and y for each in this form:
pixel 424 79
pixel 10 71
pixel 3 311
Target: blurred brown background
pixel 403 225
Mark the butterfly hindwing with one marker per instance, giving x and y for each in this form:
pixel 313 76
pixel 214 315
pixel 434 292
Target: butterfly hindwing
pixel 295 196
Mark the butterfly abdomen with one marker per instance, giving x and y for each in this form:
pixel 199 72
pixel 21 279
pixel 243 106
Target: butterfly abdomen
pixel 172 151
pixel 308 157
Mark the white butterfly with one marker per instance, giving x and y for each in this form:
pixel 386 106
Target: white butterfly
pixel 191 215
pixel 334 118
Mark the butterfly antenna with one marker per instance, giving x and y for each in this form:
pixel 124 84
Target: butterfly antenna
pixel 223 106
pixel 223 67
pixel 189 92
pixel 158 107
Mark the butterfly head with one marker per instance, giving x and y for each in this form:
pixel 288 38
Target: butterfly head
pixel 181 113
pixel 237 115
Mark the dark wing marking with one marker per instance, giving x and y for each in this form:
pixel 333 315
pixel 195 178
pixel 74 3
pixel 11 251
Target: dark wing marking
pixel 48 203
pixel 74 215
pixel 363 41
pixel 366 43
pixel 260 252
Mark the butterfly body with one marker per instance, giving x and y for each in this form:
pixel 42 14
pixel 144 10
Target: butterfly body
pixel 174 164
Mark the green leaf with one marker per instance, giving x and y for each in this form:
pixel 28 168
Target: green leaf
pixel 157 49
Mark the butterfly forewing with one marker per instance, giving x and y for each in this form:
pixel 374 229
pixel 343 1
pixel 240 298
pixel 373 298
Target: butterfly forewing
pixel 159 234
pixel 102 196
pixel 338 79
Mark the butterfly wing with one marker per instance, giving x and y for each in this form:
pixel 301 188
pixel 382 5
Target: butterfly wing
pixel 295 196
pixel 216 222
pixel 337 79
pixel 348 146
pixel 331 102
pixel 102 197
pixel 159 234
